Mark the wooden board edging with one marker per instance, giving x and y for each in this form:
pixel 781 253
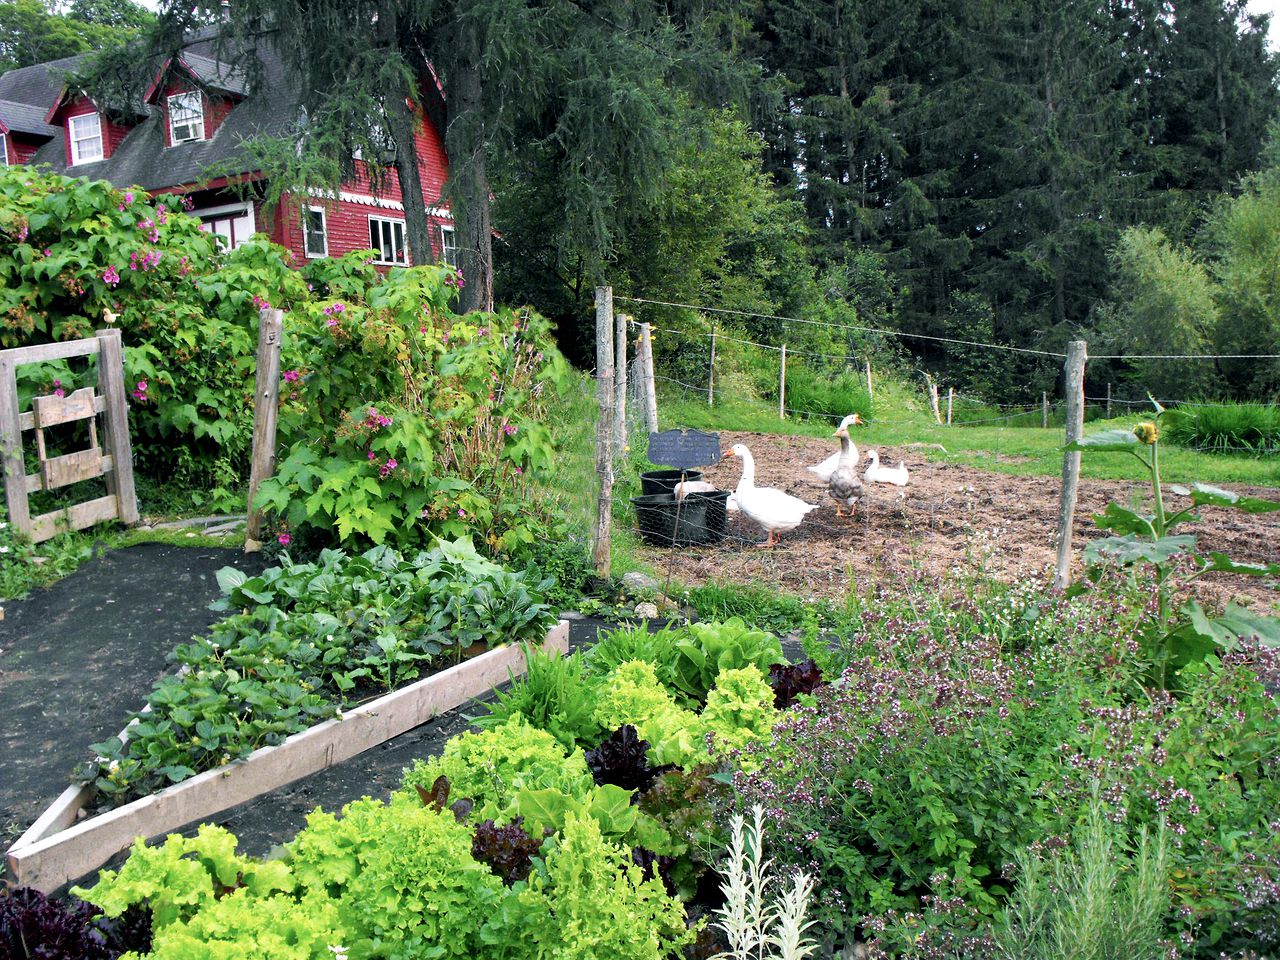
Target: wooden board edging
pixel 52 861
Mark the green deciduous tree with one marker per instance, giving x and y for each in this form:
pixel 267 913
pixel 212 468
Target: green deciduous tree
pixel 33 31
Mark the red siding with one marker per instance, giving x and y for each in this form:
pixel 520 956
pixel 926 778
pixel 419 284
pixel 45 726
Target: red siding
pixel 21 151
pixel 346 223
pixel 215 109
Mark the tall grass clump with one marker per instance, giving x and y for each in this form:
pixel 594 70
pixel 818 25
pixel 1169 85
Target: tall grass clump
pixel 831 397
pixel 1227 427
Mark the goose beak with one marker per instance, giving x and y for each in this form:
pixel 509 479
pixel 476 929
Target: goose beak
pixel 728 453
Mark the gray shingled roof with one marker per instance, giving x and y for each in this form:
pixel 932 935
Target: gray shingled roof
pixel 25 118
pixel 142 159
pixel 215 74
pixel 36 86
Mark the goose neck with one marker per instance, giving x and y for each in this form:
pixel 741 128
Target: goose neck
pixel 748 480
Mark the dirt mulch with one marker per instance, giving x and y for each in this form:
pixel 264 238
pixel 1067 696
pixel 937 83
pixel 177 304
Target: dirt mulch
pixel 949 516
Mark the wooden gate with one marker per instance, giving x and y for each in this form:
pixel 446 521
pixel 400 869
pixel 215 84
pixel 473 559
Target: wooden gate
pixel 112 458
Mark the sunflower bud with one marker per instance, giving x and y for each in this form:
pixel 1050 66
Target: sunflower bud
pixel 1146 432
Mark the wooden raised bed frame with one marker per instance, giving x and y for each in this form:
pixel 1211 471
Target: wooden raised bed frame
pixel 60 847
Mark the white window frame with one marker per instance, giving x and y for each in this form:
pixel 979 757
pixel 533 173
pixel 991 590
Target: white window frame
pixel 388 224
pixel 4 149
pixel 449 245
pixel 306 233
pixel 228 212
pixel 195 123
pixel 77 156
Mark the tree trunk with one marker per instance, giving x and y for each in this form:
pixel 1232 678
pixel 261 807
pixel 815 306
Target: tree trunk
pixel 468 151
pixel 402 123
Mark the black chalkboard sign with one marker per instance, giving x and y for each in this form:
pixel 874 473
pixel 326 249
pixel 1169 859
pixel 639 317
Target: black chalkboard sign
pixel 683 449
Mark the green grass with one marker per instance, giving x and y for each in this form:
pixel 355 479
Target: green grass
pixel 1247 429
pixel 902 418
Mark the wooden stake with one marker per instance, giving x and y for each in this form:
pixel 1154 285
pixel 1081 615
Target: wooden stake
pixel 933 399
pixel 1044 409
pixel 782 386
pixel 116 423
pixel 266 409
pixel 869 396
pixel 951 393
pixel 12 469
pixel 1108 401
pixel 1073 388
pixel 711 371
pixel 648 387
pixel 620 389
pixel 604 429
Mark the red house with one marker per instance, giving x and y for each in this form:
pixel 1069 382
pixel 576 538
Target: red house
pixel 192 122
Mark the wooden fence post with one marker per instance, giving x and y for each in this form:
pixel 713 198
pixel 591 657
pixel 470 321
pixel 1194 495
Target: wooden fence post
pixel 1044 409
pixel 116 424
pixel 933 399
pixel 1073 389
pixel 711 370
pixel 620 388
pixel 648 385
pixel 1108 401
pixel 782 385
pixel 869 396
pixel 604 429
pixel 11 463
pixel 951 393
pixel 266 409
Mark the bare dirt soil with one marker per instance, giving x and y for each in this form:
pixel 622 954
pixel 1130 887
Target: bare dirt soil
pixel 949 516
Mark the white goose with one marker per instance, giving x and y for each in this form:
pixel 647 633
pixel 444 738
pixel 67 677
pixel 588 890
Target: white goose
pixel 686 487
pixel 774 510
pixel 875 473
pixel 827 467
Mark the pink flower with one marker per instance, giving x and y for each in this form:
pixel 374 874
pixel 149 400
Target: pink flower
pixel 291 376
pixel 47 252
pixel 110 277
pixel 331 322
pixel 284 539
pixel 128 197
pixel 372 455
pixel 142 385
pixel 519 472
pixel 261 302
pixel 509 429
pixel 461 512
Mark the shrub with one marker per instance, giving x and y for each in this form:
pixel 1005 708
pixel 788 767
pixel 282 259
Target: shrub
pixel 1227 428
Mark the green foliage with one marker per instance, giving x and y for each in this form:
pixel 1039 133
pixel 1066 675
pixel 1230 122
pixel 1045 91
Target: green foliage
pixel 556 694
pixel 826 396
pixel 711 649
pixel 492 767
pixel 739 709
pixel 588 900
pixel 308 639
pixel 1137 538
pixel 403 420
pixel 1228 428
pixel 34 31
pixel 633 694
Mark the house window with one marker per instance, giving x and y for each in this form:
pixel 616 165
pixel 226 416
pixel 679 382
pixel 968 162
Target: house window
pixel 448 247
pixel 315 233
pixel 85 134
pixel 387 238
pixel 232 224
pixel 186 117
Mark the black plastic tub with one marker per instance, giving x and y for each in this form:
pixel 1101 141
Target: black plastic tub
pixel 696 521
pixel 664 481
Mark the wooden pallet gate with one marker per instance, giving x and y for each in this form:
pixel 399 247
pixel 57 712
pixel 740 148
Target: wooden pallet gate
pixel 111 458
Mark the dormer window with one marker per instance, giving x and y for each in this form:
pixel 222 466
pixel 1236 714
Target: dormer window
pixel 186 117
pixel 85 134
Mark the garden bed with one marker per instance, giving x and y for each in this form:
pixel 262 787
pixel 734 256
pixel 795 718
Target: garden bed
pixel 951 515
pixel 58 849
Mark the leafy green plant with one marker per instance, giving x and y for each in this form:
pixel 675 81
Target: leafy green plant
pixel 309 638
pixel 1228 428
pixel 634 641
pixel 1185 633
pixel 556 694
pixel 711 648
pixel 828 396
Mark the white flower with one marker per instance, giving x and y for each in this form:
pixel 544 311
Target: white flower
pixel 4 549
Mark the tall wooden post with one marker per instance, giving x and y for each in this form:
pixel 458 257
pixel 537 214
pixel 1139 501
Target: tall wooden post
pixel 951 394
pixel 1044 409
pixel 11 462
pixel 869 396
pixel 782 385
pixel 116 423
pixel 1108 401
pixel 933 399
pixel 648 385
pixel 1073 390
pixel 620 388
pixel 604 429
pixel 266 409
pixel 711 370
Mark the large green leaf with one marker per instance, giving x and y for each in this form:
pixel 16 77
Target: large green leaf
pixel 1220 562
pixel 1202 494
pixel 1107 440
pixel 1129 549
pixel 1235 624
pixel 1120 520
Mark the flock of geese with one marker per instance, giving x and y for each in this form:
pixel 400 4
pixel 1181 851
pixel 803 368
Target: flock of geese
pixel 777 512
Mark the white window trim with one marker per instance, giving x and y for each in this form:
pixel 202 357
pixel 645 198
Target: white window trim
pixel 448 228
pixel 404 242
pixel 324 232
pixel 199 121
pixel 76 159
pixel 4 149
